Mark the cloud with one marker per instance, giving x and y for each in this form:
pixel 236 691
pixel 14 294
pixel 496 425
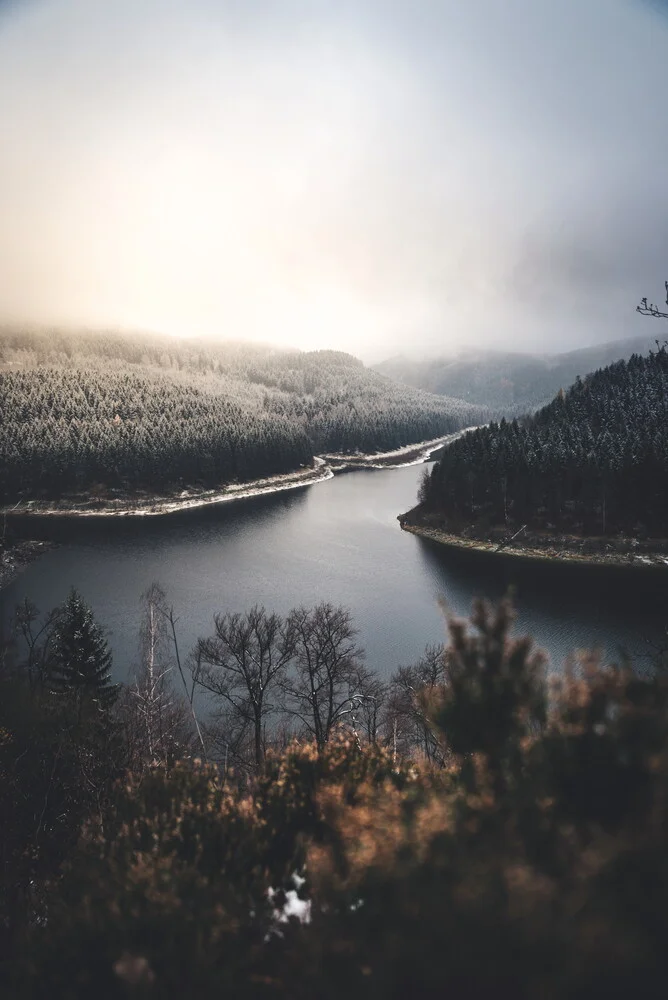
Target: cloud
pixel 360 175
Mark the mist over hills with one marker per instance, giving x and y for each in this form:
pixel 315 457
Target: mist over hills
pixel 83 410
pixel 506 380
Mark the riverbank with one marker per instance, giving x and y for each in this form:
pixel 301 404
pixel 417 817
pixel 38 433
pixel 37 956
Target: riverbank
pixel 400 458
pixel 120 504
pixel 626 552
pixel 17 556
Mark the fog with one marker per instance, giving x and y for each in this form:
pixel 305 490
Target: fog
pixel 370 175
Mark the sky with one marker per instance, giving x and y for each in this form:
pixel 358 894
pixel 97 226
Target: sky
pixel 368 175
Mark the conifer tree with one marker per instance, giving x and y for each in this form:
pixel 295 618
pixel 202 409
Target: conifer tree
pixel 81 655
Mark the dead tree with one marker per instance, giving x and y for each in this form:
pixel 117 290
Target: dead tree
pixel 160 714
pixel 327 683
pixel 38 638
pixel 368 705
pixel 406 713
pixel 241 664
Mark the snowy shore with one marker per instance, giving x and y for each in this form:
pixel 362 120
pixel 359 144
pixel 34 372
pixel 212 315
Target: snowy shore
pixel 324 467
pixel 16 556
pixel 571 550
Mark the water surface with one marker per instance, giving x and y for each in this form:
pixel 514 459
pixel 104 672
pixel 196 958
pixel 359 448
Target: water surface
pixel 336 541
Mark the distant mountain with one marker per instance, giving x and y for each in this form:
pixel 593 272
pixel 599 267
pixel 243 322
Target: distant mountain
pixel 513 382
pixel 106 410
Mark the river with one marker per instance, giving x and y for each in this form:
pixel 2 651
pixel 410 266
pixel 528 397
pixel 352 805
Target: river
pixel 336 541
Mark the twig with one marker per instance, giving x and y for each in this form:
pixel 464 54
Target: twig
pixel 48 789
pixel 650 309
pixel 190 697
pixel 507 541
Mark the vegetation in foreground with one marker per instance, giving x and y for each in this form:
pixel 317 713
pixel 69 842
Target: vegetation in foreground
pixel 484 834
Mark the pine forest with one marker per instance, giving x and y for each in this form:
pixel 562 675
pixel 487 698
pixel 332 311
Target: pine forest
pixel 86 412
pixel 594 460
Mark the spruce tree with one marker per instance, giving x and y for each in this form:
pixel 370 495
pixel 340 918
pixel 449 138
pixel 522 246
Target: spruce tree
pixel 81 655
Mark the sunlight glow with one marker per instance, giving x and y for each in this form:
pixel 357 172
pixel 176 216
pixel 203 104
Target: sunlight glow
pixel 333 176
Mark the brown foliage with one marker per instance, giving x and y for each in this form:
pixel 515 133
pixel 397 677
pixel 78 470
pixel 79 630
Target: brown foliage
pixel 530 860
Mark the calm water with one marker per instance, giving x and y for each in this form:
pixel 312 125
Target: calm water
pixel 337 541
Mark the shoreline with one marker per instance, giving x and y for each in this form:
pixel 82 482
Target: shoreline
pixel 623 560
pixel 414 454
pixel 324 468
pixel 17 556
pixel 156 506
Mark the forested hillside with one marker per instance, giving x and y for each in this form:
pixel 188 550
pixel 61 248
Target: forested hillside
pixel 95 410
pixel 513 382
pixel 594 459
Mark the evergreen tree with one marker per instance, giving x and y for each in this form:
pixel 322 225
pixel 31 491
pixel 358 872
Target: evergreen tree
pixel 81 655
pixel 93 415
pixel 595 460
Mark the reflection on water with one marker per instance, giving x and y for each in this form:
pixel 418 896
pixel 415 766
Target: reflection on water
pixel 337 541
pixel 566 607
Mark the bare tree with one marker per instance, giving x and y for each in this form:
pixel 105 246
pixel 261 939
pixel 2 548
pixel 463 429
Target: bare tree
pixel 160 713
pixel 37 638
pixel 368 703
pixel 229 738
pixel 406 716
pixel 189 689
pixel 327 682
pixel 242 663
pixel 650 309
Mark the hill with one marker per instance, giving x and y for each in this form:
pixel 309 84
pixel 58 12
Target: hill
pixel 594 461
pixel 508 381
pixel 89 410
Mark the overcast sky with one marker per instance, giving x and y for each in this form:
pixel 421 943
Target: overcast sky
pixel 371 175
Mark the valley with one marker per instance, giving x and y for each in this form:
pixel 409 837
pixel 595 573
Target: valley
pixel 338 541
pixel 90 414
pixel 333 500
pixel 510 383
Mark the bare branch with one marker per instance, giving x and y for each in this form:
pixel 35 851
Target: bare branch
pixel 327 671
pixel 242 662
pixel 649 309
pixel 190 695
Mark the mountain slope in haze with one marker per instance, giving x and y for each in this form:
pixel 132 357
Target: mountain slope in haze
pixel 105 410
pixel 502 380
pixel 594 461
